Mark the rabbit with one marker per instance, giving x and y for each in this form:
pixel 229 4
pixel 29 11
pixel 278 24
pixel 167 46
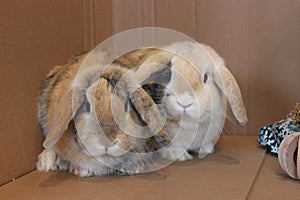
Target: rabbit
pixel 195 99
pixel 76 118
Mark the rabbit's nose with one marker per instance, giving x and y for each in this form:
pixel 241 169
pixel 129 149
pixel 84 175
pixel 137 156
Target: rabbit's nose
pixel 185 100
pixel 185 104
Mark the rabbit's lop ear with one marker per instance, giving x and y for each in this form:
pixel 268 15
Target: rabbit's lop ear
pixel 154 73
pixel 100 99
pixel 226 82
pixel 149 113
pixel 60 118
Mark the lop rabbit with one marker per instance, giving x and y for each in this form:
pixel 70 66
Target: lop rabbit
pixel 195 99
pixel 75 112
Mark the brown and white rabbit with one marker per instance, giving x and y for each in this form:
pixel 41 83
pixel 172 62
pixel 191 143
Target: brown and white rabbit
pixel 75 113
pixel 195 100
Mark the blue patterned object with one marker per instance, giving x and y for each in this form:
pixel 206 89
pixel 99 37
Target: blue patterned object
pixel 272 135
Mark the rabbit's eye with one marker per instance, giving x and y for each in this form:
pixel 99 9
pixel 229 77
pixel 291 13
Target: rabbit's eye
pixel 168 94
pixel 205 78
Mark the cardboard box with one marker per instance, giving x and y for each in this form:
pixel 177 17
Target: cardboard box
pixel 239 169
pixel 260 44
pixel 227 174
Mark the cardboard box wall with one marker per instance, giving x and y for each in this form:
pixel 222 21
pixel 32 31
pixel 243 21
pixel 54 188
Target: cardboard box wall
pixel 259 41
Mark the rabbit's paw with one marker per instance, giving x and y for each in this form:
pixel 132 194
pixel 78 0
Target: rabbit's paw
pixel 81 172
pixel 49 160
pixel 179 154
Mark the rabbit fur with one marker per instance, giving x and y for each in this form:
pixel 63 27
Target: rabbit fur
pixel 88 141
pixel 195 100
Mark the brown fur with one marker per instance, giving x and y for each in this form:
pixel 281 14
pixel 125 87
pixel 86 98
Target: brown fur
pixel 56 114
pixel 137 57
pixel 57 83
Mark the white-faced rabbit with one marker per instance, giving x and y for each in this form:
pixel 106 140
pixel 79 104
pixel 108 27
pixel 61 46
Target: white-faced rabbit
pixel 195 99
pixel 81 133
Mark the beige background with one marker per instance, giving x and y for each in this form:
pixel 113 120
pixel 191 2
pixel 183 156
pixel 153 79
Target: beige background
pixel 260 41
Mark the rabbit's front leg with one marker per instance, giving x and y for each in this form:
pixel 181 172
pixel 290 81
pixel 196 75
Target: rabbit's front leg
pixel 49 160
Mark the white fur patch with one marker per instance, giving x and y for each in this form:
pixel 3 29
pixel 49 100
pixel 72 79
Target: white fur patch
pixel 48 160
pixel 179 154
pixel 81 172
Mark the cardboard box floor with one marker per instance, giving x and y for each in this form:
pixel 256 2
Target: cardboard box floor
pixel 239 169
